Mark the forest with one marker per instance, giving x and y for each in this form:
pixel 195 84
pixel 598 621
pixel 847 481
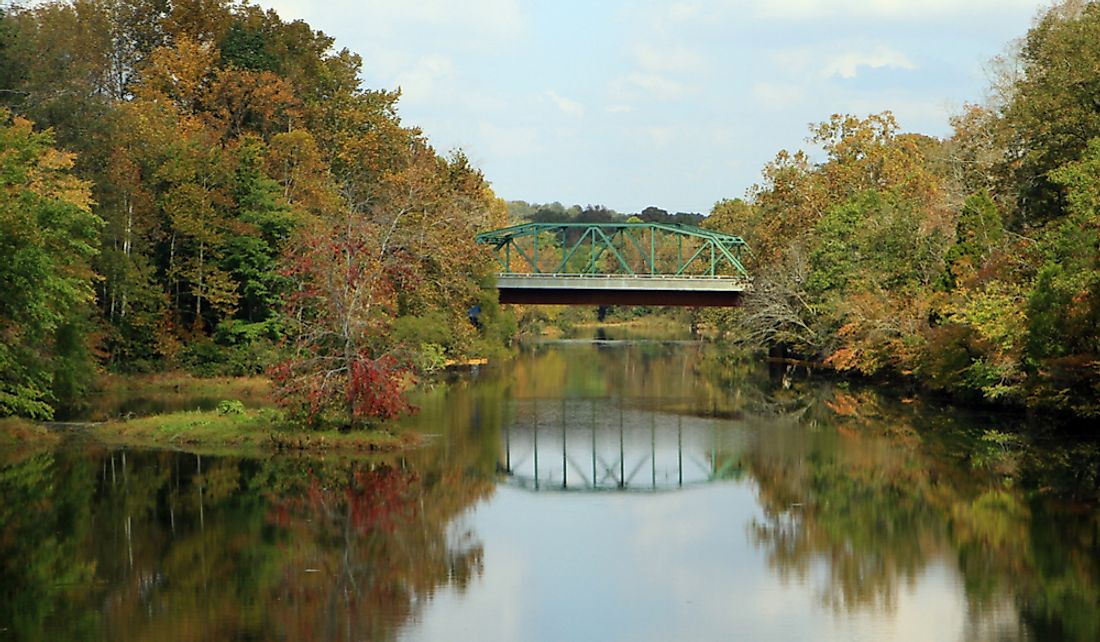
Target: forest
pixel 968 264
pixel 202 185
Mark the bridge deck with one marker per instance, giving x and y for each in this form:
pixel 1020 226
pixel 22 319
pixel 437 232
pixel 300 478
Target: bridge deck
pixel 620 289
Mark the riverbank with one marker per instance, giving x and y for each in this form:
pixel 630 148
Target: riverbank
pixel 16 433
pixel 248 432
pixel 264 429
pixel 224 415
pixel 116 396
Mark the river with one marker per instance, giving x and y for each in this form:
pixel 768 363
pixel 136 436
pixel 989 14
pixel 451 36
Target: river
pixel 588 490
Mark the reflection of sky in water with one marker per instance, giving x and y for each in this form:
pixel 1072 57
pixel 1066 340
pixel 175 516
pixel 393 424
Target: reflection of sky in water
pixel 681 564
pixel 658 567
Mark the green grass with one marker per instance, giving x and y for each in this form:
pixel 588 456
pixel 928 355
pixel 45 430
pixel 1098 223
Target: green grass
pixel 252 431
pixel 240 420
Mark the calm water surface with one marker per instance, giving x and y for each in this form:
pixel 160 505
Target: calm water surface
pixel 586 491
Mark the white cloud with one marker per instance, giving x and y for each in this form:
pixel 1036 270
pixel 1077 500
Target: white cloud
pixel 847 64
pixel 844 61
pixel 618 109
pixel 566 105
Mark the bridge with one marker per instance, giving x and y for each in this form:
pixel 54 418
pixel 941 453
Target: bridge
pixel 629 263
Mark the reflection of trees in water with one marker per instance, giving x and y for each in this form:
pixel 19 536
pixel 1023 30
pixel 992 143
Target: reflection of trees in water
pixel 378 547
pixel 44 518
pixel 865 488
pixel 872 492
pixel 168 545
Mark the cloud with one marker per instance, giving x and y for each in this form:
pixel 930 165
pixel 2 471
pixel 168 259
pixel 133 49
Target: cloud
pixel 566 105
pixel 618 109
pixel 831 61
pixel 847 64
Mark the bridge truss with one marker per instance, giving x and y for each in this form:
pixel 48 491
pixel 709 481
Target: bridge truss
pixel 630 249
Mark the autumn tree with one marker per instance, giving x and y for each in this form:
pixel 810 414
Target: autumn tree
pixel 218 139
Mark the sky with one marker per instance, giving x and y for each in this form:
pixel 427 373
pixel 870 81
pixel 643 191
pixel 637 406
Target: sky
pixel 675 104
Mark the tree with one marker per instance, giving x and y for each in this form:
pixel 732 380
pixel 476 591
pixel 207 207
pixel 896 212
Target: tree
pixel 1054 109
pixel 1063 335
pixel 48 235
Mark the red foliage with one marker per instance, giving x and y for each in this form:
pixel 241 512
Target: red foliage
pixel 378 499
pixel 367 388
pixel 375 388
pixel 338 318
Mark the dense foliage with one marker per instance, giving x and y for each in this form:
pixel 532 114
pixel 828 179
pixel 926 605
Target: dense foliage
pixel 970 263
pixel 250 201
pixel 47 237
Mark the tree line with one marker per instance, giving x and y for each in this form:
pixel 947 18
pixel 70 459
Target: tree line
pixel 970 263
pixel 230 198
pixel 522 211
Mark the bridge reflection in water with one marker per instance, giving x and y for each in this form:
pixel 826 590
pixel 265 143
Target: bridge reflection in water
pixel 609 445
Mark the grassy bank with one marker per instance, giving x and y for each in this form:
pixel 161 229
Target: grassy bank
pixel 180 411
pixel 262 430
pixel 116 396
pixel 16 432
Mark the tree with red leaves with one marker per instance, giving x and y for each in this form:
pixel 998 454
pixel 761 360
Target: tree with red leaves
pixel 341 364
pixel 409 253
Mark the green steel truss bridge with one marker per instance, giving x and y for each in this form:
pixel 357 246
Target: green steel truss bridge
pixel 618 264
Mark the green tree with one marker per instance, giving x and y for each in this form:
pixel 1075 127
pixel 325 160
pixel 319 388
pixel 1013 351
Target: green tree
pixel 979 232
pixel 1055 105
pixel 1064 306
pixel 48 234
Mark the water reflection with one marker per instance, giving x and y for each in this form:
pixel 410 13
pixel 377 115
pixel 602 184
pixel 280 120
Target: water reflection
pixel 794 508
pixel 590 445
pixel 128 545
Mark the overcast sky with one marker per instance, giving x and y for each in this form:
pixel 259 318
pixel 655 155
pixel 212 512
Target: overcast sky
pixel 630 103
